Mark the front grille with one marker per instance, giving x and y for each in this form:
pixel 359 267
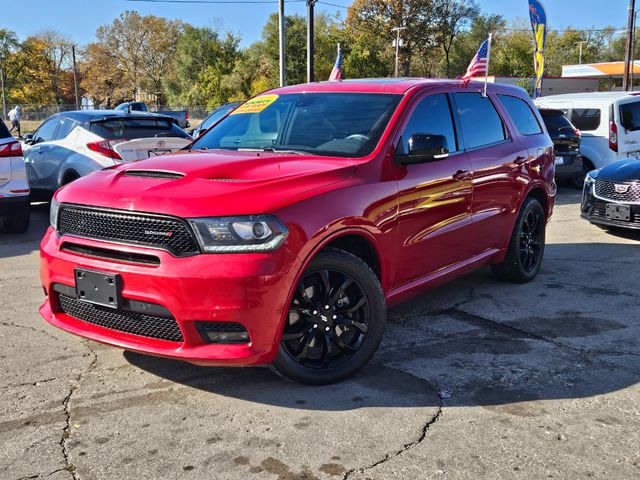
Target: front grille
pixel 122 320
pixel 607 189
pixel 168 233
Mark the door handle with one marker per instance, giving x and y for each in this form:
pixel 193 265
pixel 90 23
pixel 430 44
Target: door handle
pixel 462 175
pixel 520 160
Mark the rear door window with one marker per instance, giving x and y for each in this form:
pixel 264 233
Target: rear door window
pixel 431 116
pixel 66 125
pixel 521 115
pixel 630 116
pixel 586 119
pixel 130 128
pixel 481 124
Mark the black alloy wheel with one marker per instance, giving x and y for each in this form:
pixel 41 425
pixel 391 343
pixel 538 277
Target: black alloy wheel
pixel 531 239
pixel 525 252
pixel 335 320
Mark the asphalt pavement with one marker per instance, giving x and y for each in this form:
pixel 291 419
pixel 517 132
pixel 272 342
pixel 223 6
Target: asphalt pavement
pixel 474 380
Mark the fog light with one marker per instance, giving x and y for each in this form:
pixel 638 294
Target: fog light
pixel 223 332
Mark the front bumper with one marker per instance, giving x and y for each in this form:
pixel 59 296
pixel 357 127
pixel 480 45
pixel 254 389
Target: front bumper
pixel 593 209
pixel 249 289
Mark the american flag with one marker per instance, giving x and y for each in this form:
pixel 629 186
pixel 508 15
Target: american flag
pixel 480 63
pixel 336 73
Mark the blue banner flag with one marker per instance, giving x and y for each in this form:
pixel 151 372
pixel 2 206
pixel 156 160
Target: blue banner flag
pixel 539 25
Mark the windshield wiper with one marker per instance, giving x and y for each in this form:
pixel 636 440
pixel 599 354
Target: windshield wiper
pixel 271 149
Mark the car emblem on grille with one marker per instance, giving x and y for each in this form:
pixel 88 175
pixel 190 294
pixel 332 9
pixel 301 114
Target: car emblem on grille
pixel 160 234
pixel 621 188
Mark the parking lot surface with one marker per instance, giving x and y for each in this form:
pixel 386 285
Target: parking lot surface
pixel 476 379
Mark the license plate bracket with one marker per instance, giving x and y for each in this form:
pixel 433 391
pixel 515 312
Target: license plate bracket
pixel 157 152
pixel 98 288
pixel 559 160
pixel 618 212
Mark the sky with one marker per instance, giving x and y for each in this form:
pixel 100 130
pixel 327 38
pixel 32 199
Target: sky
pixel 78 19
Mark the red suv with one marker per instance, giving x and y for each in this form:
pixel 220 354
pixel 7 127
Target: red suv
pixel 282 234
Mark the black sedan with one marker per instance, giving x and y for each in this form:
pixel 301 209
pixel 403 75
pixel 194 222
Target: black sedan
pixel 566 143
pixel 611 195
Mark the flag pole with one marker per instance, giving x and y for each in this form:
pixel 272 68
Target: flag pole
pixel 486 72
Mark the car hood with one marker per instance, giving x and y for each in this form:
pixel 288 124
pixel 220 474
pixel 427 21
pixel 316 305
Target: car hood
pixel 200 184
pixel 627 170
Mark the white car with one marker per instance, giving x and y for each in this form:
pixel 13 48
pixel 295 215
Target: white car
pixel 14 189
pixel 608 121
pixel 70 145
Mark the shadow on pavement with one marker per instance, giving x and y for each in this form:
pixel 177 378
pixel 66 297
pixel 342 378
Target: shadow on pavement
pixel 565 335
pixel 13 245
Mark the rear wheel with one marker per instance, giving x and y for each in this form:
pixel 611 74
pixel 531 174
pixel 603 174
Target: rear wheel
pixel 69 177
pixel 526 246
pixel 578 179
pixel 335 322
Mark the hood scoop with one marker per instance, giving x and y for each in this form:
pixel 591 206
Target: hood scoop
pixel 153 174
pixel 230 180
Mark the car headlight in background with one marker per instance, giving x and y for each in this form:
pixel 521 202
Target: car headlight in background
pixel 53 213
pixel 251 233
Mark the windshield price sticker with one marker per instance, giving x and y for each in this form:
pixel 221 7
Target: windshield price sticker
pixel 255 105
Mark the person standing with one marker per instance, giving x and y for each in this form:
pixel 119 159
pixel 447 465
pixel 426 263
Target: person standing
pixel 14 117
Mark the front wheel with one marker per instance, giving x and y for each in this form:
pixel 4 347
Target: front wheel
pixel 526 246
pixel 335 322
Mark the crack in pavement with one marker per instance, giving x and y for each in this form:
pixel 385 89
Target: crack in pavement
pixel 41 475
pixel 406 446
pixel 66 431
pixel 29 327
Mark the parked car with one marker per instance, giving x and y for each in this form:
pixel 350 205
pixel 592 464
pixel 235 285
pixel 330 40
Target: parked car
pixel 214 117
pixel 566 145
pixel 14 189
pixel 180 116
pixel 611 195
pixel 70 145
pixel 361 195
pixel 608 121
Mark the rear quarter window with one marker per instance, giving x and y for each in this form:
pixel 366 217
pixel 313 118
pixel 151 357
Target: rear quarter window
pixel 586 119
pixel 521 114
pixel 131 128
pixel 630 116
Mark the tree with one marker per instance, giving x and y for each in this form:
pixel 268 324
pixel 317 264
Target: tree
pixel 100 75
pixel 8 44
pixel 467 42
pixel 454 15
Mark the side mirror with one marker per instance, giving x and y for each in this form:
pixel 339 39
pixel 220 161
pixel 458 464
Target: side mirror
pixel 28 138
pixel 425 148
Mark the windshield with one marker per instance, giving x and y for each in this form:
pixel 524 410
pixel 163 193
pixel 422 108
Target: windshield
pixel 332 124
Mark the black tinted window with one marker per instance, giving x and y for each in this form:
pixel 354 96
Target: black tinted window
pixel 66 125
pixel 586 118
pixel 630 116
pixel 556 123
pixel 4 131
pixel 481 124
pixel 431 115
pixel 46 131
pixel 521 115
pixel 131 128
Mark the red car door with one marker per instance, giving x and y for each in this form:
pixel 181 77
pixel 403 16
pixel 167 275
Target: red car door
pixel 498 164
pixel 434 198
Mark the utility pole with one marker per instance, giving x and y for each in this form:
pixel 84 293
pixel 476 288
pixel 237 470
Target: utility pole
pixel 4 93
pixel 580 54
pixel 75 76
pixel 629 47
pixel 310 49
pixel 281 38
pixel 397 44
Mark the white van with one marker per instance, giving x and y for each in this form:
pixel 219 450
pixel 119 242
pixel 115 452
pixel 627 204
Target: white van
pixel 609 122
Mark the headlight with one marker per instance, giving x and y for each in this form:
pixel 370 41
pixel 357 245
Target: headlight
pixel 590 179
pixel 53 213
pixel 251 233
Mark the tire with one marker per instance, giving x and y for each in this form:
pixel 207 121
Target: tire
pixel 335 322
pixel 578 180
pixel 69 177
pixel 19 222
pixel 526 245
